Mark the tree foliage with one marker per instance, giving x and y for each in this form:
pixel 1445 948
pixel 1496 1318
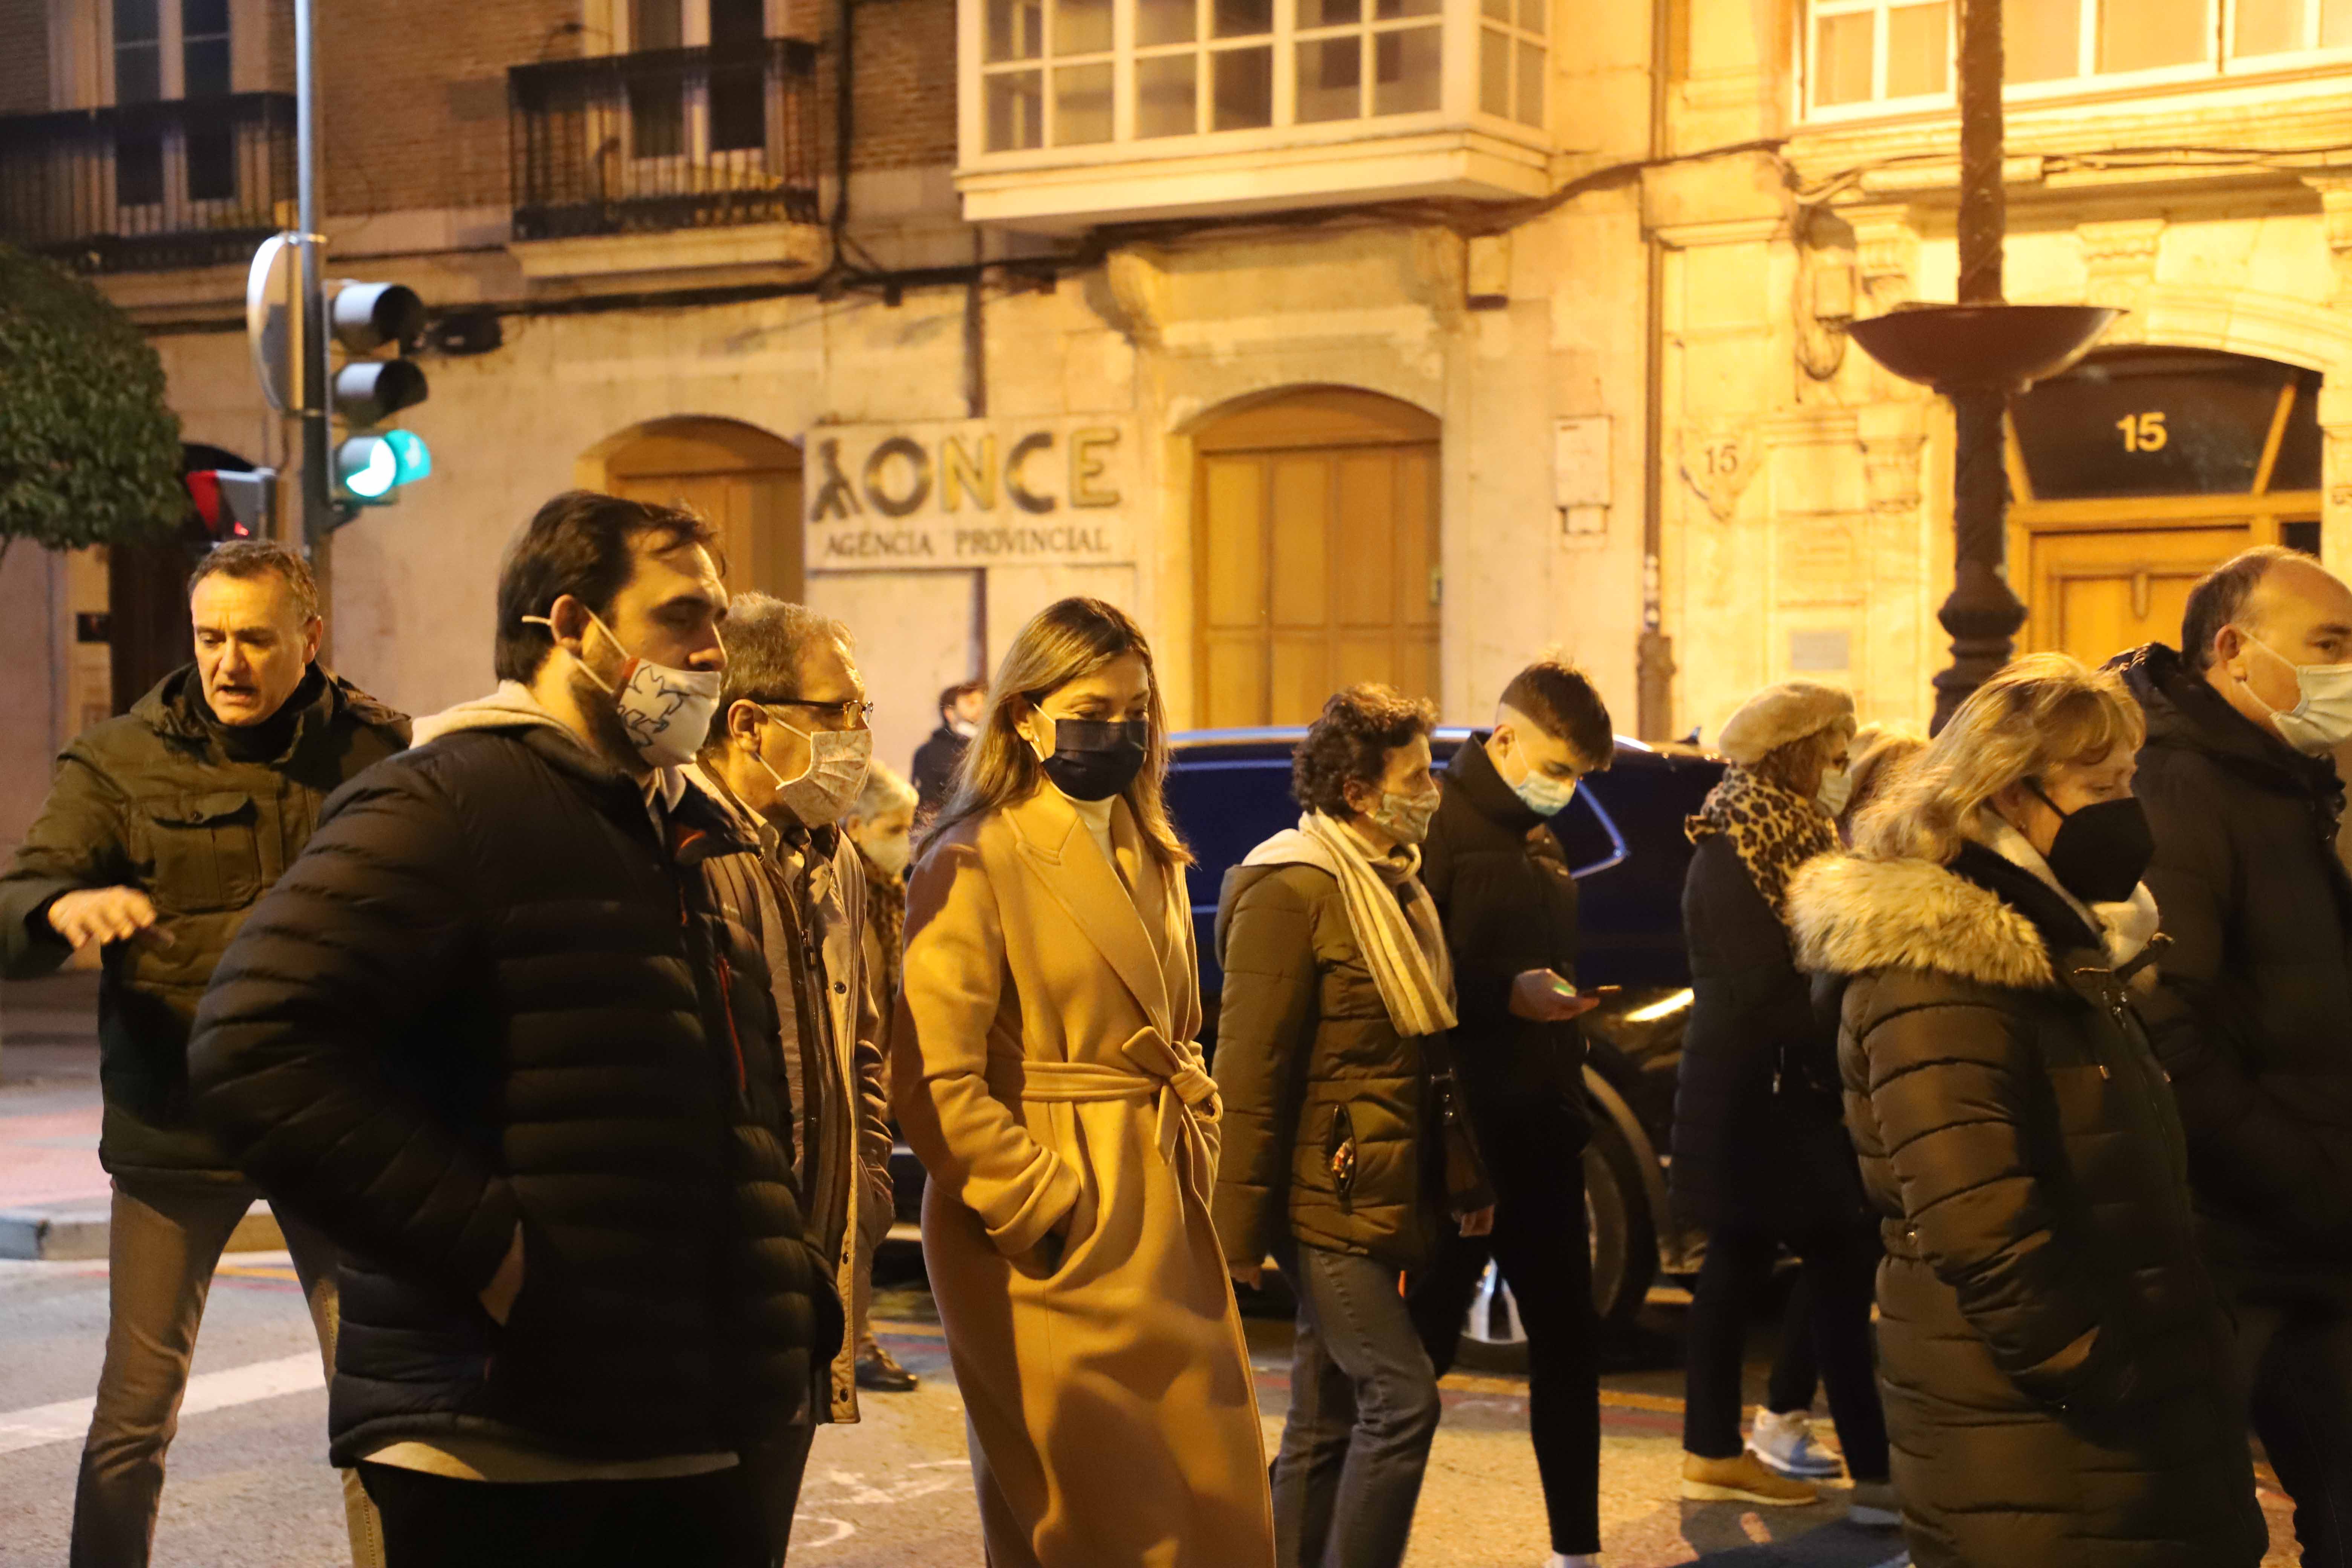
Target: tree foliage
pixel 89 452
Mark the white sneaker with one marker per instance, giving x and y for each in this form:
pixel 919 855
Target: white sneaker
pixel 1785 1444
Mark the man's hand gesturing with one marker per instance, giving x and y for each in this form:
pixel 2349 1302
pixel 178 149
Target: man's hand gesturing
pixel 103 915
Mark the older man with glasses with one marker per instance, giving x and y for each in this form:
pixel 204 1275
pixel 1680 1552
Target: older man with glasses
pixel 787 758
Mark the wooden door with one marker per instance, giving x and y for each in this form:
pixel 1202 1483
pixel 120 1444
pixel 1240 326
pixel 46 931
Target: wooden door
pixel 746 481
pixel 2097 594
pixel 1317 546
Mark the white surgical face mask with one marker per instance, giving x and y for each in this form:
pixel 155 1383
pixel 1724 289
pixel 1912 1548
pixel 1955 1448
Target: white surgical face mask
pixel 1540 792
pixel 2321 718
pixel 835 773
pixel 666 712
pixel 1837 788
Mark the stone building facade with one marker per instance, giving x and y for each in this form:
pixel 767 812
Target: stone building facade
pixel 1338 342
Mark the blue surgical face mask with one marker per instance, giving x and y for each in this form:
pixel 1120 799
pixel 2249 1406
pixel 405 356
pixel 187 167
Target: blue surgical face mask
pixel 1540 792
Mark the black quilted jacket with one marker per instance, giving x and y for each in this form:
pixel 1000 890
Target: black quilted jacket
pixel 485 996
pixel 2052 1350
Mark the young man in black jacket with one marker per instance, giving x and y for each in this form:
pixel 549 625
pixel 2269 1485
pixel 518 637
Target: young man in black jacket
pixel 2253 1016
pixel 163 828
pixel 1509 909
pixel 937 759
pixel 480 1035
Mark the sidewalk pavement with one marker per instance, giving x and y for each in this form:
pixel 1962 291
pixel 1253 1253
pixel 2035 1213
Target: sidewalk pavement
pixel 54 1195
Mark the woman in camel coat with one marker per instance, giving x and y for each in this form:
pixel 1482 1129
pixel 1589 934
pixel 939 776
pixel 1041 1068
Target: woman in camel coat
pixel 1045 1071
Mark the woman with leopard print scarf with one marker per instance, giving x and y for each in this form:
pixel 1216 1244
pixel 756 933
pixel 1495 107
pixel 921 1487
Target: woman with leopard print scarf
pixel 1761 1160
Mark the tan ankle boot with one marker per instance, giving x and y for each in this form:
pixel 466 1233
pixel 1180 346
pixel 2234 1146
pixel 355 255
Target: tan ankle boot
pixel 1743 1479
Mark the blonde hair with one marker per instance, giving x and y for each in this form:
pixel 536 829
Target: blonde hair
pixel 2044 712
pixel 1880 753
pixel 885 791
pixel 1065 641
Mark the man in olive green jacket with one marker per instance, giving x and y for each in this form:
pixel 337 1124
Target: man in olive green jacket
pixel 161 830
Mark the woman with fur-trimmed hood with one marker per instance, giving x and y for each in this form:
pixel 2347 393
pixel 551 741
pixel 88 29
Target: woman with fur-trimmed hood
pixel 2052 1349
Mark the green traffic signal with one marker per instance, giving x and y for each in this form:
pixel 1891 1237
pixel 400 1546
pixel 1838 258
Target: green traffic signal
pixel 369 468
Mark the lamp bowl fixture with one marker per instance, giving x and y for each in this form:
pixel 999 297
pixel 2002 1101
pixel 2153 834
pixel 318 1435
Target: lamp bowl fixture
pixel 2006 347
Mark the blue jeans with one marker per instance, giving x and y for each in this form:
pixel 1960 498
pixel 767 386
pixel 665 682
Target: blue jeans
pixel 1363 1408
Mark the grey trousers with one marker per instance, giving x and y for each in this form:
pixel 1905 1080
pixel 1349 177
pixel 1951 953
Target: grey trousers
pixel 165 1241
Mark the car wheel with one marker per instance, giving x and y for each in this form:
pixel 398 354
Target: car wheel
pixel 1624 1260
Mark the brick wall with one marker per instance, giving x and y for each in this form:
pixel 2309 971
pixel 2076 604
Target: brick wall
pixel 414 100
pixel 905 88
pixel 24 57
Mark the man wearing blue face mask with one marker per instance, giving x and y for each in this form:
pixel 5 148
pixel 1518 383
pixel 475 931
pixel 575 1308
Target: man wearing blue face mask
pixel 483 1036
pixel 1508 907
pixel 786 759
pixel 2253 1015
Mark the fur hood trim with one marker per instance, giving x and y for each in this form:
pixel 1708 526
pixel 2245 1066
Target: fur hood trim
pixel 1849 916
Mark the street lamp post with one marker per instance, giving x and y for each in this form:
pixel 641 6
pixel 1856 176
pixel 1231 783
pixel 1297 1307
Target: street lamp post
pixel 1977 352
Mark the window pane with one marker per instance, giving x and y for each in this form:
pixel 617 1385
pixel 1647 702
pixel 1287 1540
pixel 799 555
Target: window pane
pixel 2138 34
pixel 1165 21
pixel 2043 39
pixel 1164 103
pixel 212 165
pixel 1017 29
pixel 736 23
pixel 1081 27
pixel 1390 10
pixel 1082 105
pixel 1404 71
pixel 1244 18
pixel 1535 17
pixel 1526 105
pixel 2335 24
pixel 1842 58
pixel 205 64
pixel 2267 26
pixel 139 73
pixel 1330 13
pixel 139 170
pixel 1918 52
pixel 1500 10
pixel 1016 112
pixel 1331 79
pixel 738 102
pixel 201 17
pixel 137 22
pixel 1241 88
pixel 657 119
pixel 1493 72
pixel 656 24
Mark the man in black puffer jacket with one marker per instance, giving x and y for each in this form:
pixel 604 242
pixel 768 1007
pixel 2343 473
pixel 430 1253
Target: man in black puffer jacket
pixel 1509 907
pixel 2254 1019
pixel 480 1036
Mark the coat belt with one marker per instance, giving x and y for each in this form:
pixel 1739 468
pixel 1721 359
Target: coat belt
pixel 1172 1080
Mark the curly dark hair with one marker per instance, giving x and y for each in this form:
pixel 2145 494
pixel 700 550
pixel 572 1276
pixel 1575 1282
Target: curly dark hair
pixel 1350 742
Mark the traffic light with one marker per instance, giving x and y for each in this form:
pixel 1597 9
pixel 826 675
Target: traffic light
pixel 235 503
pixel 364 319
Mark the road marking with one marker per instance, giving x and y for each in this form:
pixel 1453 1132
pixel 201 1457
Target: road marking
pixel 69 1418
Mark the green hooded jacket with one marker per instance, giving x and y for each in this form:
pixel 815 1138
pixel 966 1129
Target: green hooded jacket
pixel 151 800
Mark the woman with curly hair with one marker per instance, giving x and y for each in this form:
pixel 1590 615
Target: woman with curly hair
pixel 1045 1073
pixel 2053 1358
pixel 1339 991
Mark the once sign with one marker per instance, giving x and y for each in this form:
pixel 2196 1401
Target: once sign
pixel 970 493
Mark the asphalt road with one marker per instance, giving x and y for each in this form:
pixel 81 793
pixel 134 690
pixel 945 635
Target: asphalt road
pixel 248 1485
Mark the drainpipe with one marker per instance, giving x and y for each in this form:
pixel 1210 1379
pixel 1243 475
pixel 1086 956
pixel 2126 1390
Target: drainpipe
pixel 1654 651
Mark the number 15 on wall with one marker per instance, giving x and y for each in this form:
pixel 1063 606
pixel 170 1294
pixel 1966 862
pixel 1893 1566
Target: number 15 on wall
pixel 2144 431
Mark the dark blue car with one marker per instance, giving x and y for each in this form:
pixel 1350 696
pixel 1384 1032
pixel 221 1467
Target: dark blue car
pixel 1229 790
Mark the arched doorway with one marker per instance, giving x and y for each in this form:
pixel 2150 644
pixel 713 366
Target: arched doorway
pixel 147 635
pixel 744 479
pixel 2140 470
pixel 1316 535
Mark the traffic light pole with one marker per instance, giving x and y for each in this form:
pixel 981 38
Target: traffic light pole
pixel 317 477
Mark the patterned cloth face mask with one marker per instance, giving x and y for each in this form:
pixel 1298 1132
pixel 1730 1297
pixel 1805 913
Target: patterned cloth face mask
pixel 666 712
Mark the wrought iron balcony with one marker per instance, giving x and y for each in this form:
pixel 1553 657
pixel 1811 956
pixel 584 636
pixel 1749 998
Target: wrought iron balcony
pixel 668 139
pixel 148 186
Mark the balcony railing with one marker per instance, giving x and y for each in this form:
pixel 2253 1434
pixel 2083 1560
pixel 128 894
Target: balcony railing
pixel 147 186
pixel 669 139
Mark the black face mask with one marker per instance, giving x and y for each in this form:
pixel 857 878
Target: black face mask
pixel 2102 850
pixel 1094 759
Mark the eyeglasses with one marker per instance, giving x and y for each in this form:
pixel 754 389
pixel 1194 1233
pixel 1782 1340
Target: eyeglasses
pixel 843 712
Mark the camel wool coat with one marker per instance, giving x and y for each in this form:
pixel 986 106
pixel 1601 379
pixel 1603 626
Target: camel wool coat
pixel 1045 1071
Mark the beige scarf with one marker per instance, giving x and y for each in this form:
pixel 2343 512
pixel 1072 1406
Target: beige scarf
pixel 1391 914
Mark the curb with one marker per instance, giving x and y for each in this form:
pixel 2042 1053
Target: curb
pixel 78 1231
